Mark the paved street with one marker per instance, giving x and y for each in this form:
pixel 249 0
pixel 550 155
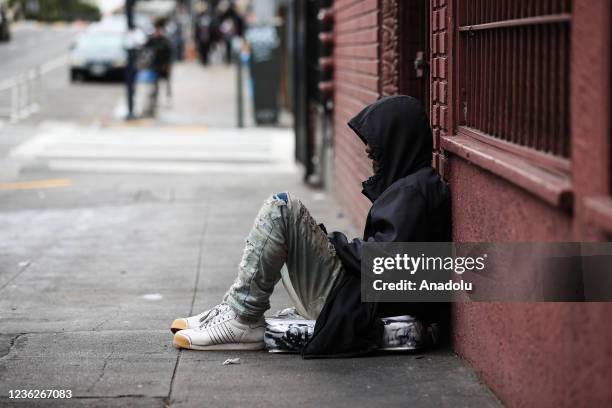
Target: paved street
pixel 109 230
pixel 46 47
pixel 34 44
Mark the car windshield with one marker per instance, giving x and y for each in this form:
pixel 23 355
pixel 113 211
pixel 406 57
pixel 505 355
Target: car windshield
pixel 100 42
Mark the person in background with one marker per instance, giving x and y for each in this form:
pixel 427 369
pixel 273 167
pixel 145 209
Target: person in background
pixel 202 34
pixel 231 26
pixel 159 50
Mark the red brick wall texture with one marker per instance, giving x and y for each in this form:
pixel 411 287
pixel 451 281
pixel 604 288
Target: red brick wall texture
pixel 356 66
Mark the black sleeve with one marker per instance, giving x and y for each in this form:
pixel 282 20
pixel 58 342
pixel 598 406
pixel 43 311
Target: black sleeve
pixel 397 216
pixel 349 252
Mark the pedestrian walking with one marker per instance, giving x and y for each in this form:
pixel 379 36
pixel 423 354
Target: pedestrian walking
pixel 157 58
pixel 231 26
pixel 202 34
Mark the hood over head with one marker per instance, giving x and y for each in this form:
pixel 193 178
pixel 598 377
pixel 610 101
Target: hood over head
pixel 397 130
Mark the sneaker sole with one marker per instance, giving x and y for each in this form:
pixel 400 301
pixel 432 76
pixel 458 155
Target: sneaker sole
pixel 178 324
pixel 180 341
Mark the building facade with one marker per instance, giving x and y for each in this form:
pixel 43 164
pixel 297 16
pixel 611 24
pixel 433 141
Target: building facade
pixel 519 101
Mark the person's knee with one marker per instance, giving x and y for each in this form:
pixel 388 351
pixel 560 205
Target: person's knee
pixel 285 198
pixel 287 204
pixel 282 196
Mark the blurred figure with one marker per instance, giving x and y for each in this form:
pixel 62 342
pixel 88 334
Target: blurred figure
pixel 231 25
pixel 157 57
pixel 5 31
pixel 202 34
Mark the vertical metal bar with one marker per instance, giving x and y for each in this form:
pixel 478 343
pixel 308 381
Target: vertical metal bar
pixel 482 71
pixel 491 69
pixel 539 108
pixel 529 84
pixel 239 86
pixel 494 101
pixel 563 104
pixel 130 71
pixel 15 101
pixel 31 90
pixel 547 142
pixel 507 65
pixel 468 69
pixel 520 84
pixel 555 92
pixel 495 88
pixel 509 68
pixel 39 87
pixel 479 39
pixel 515 82
pixel 23 95
pixel 482 75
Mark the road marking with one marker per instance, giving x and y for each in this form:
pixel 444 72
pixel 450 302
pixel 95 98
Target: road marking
pixel 172 150
pixel 36 184
pixel 53 64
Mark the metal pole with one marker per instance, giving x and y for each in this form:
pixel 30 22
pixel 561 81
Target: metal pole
pixel 15 101
pixel 38 85
pixel 31 91
pixel 239 85
pixel 131 58
pixel 23 96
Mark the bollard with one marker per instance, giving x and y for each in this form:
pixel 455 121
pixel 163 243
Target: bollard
pixel 23 96
pixel 35 91
pixel 14 102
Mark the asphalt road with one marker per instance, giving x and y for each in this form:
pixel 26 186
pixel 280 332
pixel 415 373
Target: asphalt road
pixel 46 47
pixel 32 45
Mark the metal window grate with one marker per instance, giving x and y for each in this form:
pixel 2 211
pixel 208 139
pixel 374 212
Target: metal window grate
pixel 514 72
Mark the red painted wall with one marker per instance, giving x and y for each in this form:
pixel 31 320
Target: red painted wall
pixel 543 355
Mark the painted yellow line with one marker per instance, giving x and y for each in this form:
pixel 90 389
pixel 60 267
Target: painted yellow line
pixel 36 184
pixel 138 123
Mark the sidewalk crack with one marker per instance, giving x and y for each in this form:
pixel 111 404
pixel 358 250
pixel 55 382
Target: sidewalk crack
pixel 16 275
pixel 103 371
pixel 11 346
pixel 168 399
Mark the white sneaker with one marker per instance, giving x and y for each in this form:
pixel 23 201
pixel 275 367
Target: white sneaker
pixel 191 322
pixel 221 330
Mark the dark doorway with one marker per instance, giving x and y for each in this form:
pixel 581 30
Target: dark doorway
pixel 414 49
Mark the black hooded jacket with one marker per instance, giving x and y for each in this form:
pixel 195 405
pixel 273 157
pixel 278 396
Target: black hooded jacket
pixel 410 204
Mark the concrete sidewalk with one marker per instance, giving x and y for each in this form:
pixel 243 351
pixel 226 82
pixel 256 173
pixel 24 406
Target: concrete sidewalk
pixel 199 96
pixel 205 95
pixel 92 273
pixel 107 234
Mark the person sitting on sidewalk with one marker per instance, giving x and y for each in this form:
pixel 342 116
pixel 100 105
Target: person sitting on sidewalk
pixel 321 271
